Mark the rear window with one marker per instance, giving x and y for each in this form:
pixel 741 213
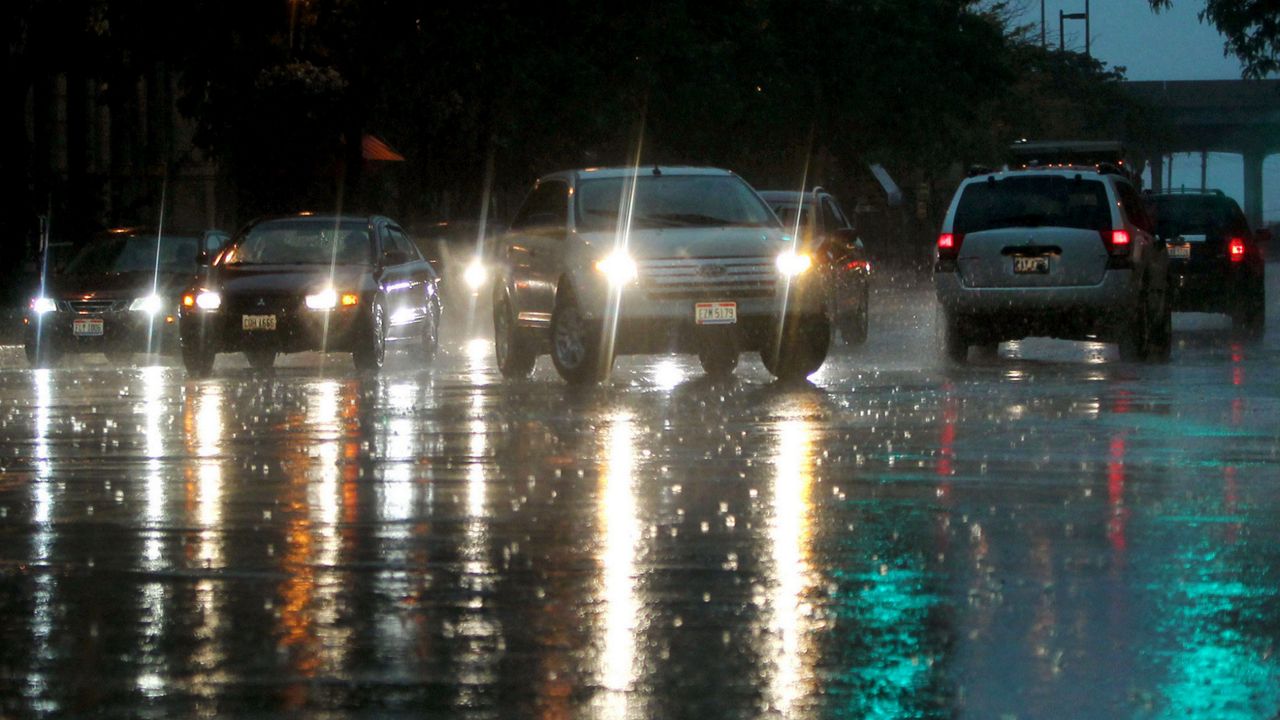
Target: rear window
pixel 1196 215
pixel 1042 201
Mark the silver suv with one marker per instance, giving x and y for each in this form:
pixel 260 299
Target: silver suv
pixel 1062 252
pixel 603 262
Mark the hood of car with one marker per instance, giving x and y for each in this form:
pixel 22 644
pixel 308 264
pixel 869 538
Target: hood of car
pixel 695 243
pixel 115 286
pixel 288 280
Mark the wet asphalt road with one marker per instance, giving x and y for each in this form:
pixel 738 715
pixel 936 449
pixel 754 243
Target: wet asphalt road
pixel 1050 533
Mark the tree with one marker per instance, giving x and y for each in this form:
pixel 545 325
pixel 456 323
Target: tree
pixel 1252 28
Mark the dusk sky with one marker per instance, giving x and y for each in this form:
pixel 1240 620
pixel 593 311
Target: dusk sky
pixel 1171 45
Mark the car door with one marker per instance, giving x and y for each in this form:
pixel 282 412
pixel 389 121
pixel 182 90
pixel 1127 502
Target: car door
pixel 404 278
pixel 534 247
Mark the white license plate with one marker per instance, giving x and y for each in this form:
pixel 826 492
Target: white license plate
pixel 86 326
pixel 258 322
pixel 1180 251
pixel 1031 264
pixel 715 313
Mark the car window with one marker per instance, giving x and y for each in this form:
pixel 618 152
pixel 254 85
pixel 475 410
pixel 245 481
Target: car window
pixel 831 217
pixel 1134 208
pixel 789 212
pixel 670 201
pixel 1033 201
pixel 1198 215
pixel 302 242
pixel 401 242
pixel 546 206
pixel 136 253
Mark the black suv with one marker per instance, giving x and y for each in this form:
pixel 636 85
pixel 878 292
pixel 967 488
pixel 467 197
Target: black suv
pixel 1215 262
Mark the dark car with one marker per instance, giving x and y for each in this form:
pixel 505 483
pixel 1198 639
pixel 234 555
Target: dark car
pixel 822 226
pixel 1215 259
pixel 308 282
pixel 117 294
pixel 461 252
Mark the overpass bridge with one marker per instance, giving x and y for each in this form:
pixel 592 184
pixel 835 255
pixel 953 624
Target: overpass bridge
pixel 1228 116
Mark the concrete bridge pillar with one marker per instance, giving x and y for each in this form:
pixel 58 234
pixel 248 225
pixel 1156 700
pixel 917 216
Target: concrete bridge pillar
pixel 1156 163
pixel 1253 186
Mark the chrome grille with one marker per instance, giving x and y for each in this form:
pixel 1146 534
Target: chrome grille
pixel 98 306
pixel 689 278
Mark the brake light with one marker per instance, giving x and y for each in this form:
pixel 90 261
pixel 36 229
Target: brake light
pixel 949 244
pixel 1235 249
pixel 1117 241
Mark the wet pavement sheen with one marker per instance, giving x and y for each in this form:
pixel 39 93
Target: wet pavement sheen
pixel 1049 533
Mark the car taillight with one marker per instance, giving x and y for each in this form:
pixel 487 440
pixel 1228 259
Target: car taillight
pixel 1117 241
pixel 1235 249
pixel 949 244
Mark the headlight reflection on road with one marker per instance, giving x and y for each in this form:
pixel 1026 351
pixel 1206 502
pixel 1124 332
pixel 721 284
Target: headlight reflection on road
pixel 154 618
pixel 621 530
pixel 478 661
pixel 791 620
pixel 36 688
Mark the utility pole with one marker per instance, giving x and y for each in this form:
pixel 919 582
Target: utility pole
pixel 1063 16
pixel 1042 45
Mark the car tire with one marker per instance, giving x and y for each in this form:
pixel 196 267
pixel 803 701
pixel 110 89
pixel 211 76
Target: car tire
pixel 430 335
pixel 512 346
pixel 955 343
pixel 575 344
pixel 1134 340
pixel 370 354
pixel 260 358
pixel 199 364
pixel 800 348
pixel 1160 331
pixel 43 355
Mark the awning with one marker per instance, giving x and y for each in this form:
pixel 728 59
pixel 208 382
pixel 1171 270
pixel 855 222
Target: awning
pixel 371 148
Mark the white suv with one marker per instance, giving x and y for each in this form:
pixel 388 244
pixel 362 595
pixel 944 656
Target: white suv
pixel 1065 252
pixel 603 262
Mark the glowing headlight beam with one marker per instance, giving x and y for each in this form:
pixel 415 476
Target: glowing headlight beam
pixel 618 268
pixel 475 275
pixel 207 300
pixel 152 304
pixel 42 305
pixel 791 263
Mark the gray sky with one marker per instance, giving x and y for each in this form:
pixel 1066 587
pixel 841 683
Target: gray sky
pixel 1171 45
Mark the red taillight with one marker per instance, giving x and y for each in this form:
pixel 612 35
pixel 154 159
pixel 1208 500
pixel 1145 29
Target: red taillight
pixel 949 244
pixel 1117 241
pixel 1235 249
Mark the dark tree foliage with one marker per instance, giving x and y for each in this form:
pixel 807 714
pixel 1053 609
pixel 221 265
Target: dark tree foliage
pixel 1252 28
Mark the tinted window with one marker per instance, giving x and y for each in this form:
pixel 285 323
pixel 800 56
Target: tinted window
pixel 546 206
pixel 302 242
pixel 401 242
pixel 831 217
pixel 1036 201
pixel 1198 215
pixel 136 253
pixel 1133 207
pixel 671 201
pixel 789 212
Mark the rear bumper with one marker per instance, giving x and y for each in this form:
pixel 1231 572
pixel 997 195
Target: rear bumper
pixel 1213 289
pixel 1064 312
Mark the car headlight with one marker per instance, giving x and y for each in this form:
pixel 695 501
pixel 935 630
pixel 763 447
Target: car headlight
pixel 151 304
pixel 791 263
pixel 475 274
pixel 617 267
pixel 329 299
pixel 42 305
pixel 204 299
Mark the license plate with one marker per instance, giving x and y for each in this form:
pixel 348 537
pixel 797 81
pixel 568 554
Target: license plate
pixel 1031 264
pixel 715 313
pixel 1180 251
pixel 258 322
pixel 86 326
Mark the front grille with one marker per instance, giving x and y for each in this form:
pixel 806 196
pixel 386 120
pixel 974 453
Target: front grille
pixel 692 278
pixel 261 304
pixel 98 306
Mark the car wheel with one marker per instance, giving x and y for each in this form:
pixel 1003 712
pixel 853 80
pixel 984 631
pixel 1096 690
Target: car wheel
pixel 42 355
pixel 1134 341
pixel 1249 319
pixel 575 344
pixel 430 335
pixel 1160 331
pixel 955 344
pixel 372 352
pixel 854 330
pixel 260 358
pixel 800 349
pixel 198 363
pixel 515 351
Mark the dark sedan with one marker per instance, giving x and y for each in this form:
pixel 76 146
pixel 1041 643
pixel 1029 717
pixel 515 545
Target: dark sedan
pixel 312 283
pixel 824 228
pixel 118 294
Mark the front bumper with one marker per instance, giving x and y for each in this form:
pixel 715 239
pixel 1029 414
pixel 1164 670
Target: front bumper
pixel 297 329
pixel 121 331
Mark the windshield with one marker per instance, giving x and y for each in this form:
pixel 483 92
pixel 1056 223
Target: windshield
pixel 1042 201
pixel 671 201
pixel 787 212
pixel 136 253
pixel 302 242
